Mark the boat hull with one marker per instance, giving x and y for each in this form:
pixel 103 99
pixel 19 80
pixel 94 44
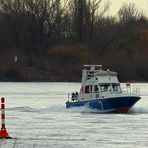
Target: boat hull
pixel 113 105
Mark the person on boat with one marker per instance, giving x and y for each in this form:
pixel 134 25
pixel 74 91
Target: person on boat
pixel 76 94
pixel 73 96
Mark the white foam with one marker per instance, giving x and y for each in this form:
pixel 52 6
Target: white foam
pixel 139 109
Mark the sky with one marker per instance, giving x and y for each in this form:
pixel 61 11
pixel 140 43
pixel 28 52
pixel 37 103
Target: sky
pixel 142 5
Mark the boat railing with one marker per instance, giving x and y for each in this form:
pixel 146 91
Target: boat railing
pixel 136 90
pixel 130 90
pixel 73 97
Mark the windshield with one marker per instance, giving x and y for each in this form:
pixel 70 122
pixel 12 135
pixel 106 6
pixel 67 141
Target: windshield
pixel 110 87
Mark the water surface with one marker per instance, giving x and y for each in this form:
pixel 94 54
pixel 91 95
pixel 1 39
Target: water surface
pixel 37 118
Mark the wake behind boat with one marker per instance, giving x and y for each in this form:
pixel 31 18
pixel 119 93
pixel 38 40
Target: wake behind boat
pixel 101 90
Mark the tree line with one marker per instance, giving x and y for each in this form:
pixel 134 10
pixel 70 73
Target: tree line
pixel 49 33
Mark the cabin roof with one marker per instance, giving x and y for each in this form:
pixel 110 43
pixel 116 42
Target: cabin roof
pixel 94 73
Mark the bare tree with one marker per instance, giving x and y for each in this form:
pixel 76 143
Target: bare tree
pixel 95 14
pixel 12 11
pixel 85 14
pixel 129 12
pixel 47 16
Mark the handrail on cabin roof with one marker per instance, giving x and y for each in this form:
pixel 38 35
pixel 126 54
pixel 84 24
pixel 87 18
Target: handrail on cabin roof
pixel 93 66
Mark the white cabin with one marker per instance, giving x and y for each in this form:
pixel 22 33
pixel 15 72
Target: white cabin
pixel 97 80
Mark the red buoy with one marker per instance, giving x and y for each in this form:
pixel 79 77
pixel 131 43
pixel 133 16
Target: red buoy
pixel 3 131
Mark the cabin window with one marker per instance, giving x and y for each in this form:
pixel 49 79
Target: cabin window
pixel 116 87
pixel 86 89
pixel 89 89
pixel 105 87
pixel 96 89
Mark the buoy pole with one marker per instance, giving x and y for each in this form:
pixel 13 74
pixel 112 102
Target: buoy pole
pixel 3 132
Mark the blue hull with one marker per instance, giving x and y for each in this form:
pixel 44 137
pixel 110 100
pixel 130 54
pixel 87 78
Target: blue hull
pixel 119 104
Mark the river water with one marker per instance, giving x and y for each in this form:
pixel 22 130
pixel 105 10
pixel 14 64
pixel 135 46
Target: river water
pixel 36 118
